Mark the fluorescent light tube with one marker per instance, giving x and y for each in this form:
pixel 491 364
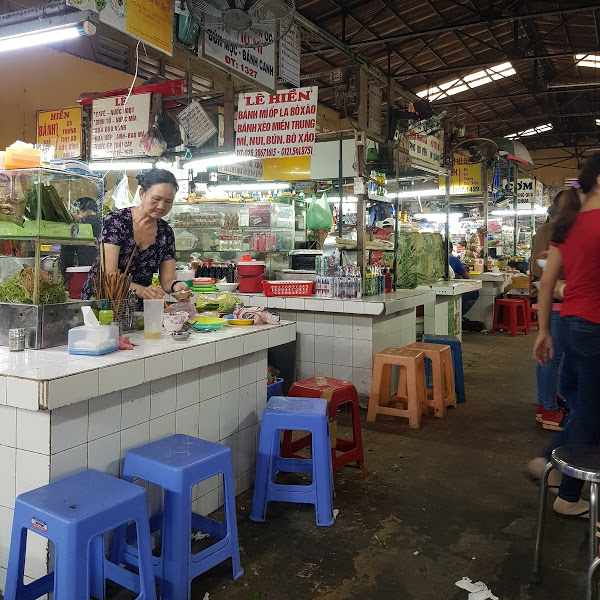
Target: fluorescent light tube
pixel 416 193
pixel 251 187
pixel 201 164
pixel 129 165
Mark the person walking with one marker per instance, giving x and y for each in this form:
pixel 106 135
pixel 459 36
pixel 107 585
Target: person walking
pixel 575 248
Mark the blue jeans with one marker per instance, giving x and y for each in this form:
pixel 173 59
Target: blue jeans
pixel 581 343
pixel 548 376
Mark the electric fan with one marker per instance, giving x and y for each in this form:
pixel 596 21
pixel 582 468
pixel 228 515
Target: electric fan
pixel 245 23
pixel 477 150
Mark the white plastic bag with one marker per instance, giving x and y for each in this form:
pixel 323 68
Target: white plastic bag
pixel 118 197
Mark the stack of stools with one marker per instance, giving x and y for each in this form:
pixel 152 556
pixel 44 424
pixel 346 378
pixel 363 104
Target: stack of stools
pixel 457 360
pixel 337 393
pixel 74 513
pixel 410 402
pixel 302 414
pixel 443 393
pixel 514 316
pixel 177 463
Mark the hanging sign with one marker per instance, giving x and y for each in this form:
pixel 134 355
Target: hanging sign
pixel 198 126
pixel 289 56
pixel 539 192
pixel 118 128
pixel 525 189
pixel 428 149
pixel 277 125
pixel 252 169
pixel 61 129
pixel 148 21
pixel 466 177
pixel 255 65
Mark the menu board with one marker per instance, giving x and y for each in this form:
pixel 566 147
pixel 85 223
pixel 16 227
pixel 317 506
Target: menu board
pixel 277 125
pixel 198 126
pixel 117 128
pixel 151 22
pixel 255 65
pixel 466 177
pixel 289 56
pixel 61 129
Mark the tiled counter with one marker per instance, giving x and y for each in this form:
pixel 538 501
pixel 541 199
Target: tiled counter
pixel 338 338
pixel 60 414
pixel 493 285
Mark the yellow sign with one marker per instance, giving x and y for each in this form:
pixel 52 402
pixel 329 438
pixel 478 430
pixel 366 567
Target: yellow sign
pixel 62 129
pixel 295 168
pixel 466 177
pixel 152 21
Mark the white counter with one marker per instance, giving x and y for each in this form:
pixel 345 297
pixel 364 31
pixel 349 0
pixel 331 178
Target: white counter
pixel 493 284
pixel 60 414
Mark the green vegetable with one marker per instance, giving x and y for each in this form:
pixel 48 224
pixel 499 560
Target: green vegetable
pixel 19 288
pixel 14 292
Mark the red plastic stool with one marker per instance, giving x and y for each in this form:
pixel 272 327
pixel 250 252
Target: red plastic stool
pixel 336 392
pixel 515 322
pixel 532 314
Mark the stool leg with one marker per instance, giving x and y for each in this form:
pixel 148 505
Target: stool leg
pixel 513 320
pixel 263 462
pixel 593 520
pixel 323 475
pixel 414 400
pixel 71 580
pixel 231 519
pixel 376 387
pixel 147 581
pixel 459 376
pixel 97 589
pixel 536 573
pixel 176 548
pixel 439 406
pixel 495 322
pixel 590 588
pixel 16 563
pixel 356 430
pixel 450 393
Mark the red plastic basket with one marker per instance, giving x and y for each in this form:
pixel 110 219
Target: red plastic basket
pixel 288 288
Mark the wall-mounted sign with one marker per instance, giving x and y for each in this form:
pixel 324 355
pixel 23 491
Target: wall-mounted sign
pixel 151 22
pixel 525 189
pixel 277 125
pixel 466 177
pixel 289 56
pixel 539 192
pixel 255 65
pixel 117 128
pixel 427 149
pixel 61 129
pixel 252 169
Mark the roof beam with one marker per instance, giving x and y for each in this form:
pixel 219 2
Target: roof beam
pixel 502 94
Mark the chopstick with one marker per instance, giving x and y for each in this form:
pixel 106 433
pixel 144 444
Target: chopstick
pixel 167 306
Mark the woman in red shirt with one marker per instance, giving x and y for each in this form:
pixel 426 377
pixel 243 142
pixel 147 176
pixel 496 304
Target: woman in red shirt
pixel 576 249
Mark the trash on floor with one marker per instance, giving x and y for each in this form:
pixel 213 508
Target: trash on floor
pixel 478 590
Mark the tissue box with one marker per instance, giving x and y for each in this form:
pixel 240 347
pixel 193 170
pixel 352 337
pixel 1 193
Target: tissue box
pixel 93 340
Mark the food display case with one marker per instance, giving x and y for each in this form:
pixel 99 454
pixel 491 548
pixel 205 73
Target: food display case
pixel 36 213
pixel 223 231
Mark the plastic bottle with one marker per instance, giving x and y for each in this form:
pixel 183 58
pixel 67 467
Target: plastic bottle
pixel 105 316
pixel 231 272
pixel 388 280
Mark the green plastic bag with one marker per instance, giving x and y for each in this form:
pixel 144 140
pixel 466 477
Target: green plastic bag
pixel 319 215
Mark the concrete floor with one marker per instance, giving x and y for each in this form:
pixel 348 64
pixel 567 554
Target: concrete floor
pixel 429 507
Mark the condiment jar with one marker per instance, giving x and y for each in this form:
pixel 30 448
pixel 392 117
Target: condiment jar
pixel 16 339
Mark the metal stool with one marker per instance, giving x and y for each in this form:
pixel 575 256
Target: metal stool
pixel 583 463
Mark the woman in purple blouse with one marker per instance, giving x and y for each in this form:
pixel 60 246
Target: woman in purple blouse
pixel 141 228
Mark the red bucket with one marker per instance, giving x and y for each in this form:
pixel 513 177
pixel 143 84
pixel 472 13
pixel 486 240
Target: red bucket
pixel 250 285
pixel 76 278
pixel 251 269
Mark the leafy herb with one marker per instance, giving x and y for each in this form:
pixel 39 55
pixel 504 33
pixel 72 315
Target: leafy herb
pixel 19 288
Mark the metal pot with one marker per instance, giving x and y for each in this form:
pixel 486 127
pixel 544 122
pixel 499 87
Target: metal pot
pixel 50 265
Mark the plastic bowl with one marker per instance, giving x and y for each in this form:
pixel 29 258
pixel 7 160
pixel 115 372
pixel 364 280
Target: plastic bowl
pixel 175 321
pixel 542 262
pixel 226 287
pixel 208 324
pixel 231 320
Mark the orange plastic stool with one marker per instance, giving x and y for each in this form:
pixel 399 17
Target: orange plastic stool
pixel 411 385
pixel 337 393
pixel 443 393
pixel 511 307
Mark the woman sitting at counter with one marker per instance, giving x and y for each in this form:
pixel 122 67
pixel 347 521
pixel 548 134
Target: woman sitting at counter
pixel 141 229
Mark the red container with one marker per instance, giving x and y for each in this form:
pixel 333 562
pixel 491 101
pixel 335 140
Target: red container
pixel 76 277
pixel 288 288
pixel 251 269
pixel 250 285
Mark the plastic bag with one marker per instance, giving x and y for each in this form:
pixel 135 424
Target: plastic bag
pixel 319 215
pixel 169 129
pixel 153 143
pixel 184 306
pixel 118 197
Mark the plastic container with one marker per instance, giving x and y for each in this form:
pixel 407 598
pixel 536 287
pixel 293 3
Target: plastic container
pixel 93 339
pixel 274 389
pixel 251 268
pixel 153 319
pixel 22 158
pixel 250 285
pixel 76 278
pixel 174 322
pixel 288 288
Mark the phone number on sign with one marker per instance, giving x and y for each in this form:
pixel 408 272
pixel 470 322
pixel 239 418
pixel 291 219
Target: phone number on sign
pixel 243 68
pixel 273 153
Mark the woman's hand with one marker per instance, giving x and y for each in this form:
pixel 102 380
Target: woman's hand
pixel 543 348
pixel 181 287
pixel 152 292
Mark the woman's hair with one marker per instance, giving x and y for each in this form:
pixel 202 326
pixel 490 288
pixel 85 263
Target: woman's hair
pixel 86 203
pixel 569 203
pixel 155 177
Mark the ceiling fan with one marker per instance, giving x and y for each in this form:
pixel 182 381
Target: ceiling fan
pixel 477 150
pixel 244 23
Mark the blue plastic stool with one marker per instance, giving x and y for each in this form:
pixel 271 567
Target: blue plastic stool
pixel 176 464
pixel 74 513
pixel 300 414
pixel 457 360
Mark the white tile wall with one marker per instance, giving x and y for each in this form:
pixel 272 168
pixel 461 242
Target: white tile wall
pixel 248 369
pixel 69 426
pixel 210 378
pixel 188 388
pixel 68 462
pixel 2 395
pixel 8 460
pixel 163 396
pixel 210 415
pixel 229 413
pixel 72 389
pixel 33 431
pixel 162 427
pixel 324 324
pixel 32 470
pixel 118 377
pixel 199 356
pixel 104 415
pixel 230 375
pixel 8 426
pixel 163 365
pixel 23 393
pixel 135 406
pixel 305 323
pixel 104 454
pixel 187 420
pixel 305 346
